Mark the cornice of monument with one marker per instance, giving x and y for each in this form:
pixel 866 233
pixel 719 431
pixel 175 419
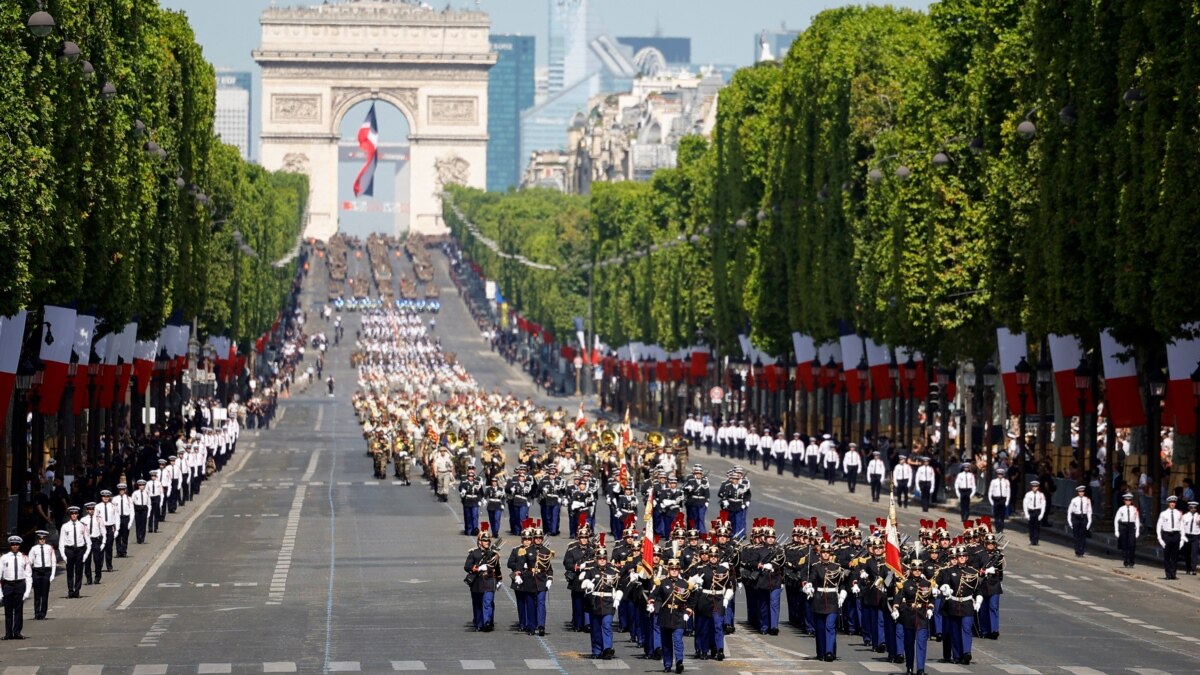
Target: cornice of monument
pixel 374 12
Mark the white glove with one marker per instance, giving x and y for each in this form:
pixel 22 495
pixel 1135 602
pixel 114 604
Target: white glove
pixel 650 607
pixel 990 570
pixel 549 583
pixel 863 575
pixel 946 590
pixel 617 595
pixel 929 614
pixel 482 568
pixel 517 579
pixel 575 506
pixel 895 615
pixel 934 592
pixel 724 503
pixel 1161 544
pixel 978 602
pixel 587 584
pixel 740 586
pixel 695 580
pixel 725 564
pixel 854 588
pixel 841 597
pixel 728 597
pixel 768 567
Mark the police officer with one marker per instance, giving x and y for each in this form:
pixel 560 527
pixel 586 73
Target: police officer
pixel 902 475
pixel 1127 526
pixel 851 466
pixel 1079 515
pixel 1000 496
pixel 876 470
pixel 672 602
pixel 483 570
pixel 75 545
pixel 964 487
pixel 123 505
pixel 1034 506
pixel 1170 533
pixel 15 586
pixel 925 478
pixel 141 510
pixel 470 490
pixel 43 564
pixel 1191 531
pixel 154 488
pixel 106 511
pixel 99 537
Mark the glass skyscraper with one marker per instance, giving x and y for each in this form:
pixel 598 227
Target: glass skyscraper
pixel 232 119
pixel 510 92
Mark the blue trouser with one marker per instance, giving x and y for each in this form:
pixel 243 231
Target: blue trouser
pixel 483 608
pixel 601 633
pixel 522 609
pixel 672 645
pixel 852 610
pixel 989 615
pixel 826 633
pixel 872 621
pixel 717 637
pixel 752 606
pixel 651 639
pixel 959 628
pixel 695 517
pixel 795 606
pixel 470 518
pixel 494 519
pixel 550 514
pixel 768 608
pixel 915 641
pixel 893 634
pixel 516 515
pixel 631 621
pixel 737 519
pixel 703 636
pixel 579 615
pixel 539 609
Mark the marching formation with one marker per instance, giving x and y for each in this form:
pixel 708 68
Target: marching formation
pixel 676 575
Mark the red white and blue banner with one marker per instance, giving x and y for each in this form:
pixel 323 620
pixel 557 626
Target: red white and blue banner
pixel 1122 396
pixel 1065 355
pixel 368 140
pixel 1012 349
pixel 1183 356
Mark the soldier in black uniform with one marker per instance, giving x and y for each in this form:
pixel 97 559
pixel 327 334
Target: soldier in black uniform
pixel 493 500
pixel 516 564
pixel 872 590
pixel 626 506
pixel 958 585
pixel 668 505
pixel 748 572
pixel 696 493
pixel 912 607
pixel 990 563
pixel 734 494
pixel 769 586
pixel 483 570
pixel 796 556
pixel 672 603
pixel 729 557
pixel 541 574
pixel 519 490
pixel 601 582
pixel 826 589
pixel 579 502
pixel 716 593
pixel 550 492
pixel 470 490
pixel 578 555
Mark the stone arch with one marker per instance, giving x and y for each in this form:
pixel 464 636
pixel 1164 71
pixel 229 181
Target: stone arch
pixel 343 99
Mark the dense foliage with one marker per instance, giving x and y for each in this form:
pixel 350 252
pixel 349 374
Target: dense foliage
pixel 90 218
pixel 880 177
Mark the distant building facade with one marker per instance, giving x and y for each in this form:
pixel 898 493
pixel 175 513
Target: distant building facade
pixel 234 110
pixel 511 91
pixel 676 50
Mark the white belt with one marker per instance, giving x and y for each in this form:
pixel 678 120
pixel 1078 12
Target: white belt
pixel 708 592
pixel 967 598
pixel 829 590
pixel 603 594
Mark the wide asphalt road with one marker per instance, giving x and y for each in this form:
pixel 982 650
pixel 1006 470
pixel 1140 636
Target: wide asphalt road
pixel 296 560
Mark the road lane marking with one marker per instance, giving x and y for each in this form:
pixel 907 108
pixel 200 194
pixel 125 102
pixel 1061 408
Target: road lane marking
pixel 408 665
pixel 279 667
pixel 344 667
pixel 214 668
pixel 1018 670
pixel 477 664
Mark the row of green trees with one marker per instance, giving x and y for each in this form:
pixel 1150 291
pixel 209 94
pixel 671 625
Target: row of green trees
pixel 925 177
pixel 92 215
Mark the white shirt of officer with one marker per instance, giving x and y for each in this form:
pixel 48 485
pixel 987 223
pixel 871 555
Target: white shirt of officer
pixel 795 448
pixel 876 467
pixel 902 471
pixel 123 505
pixel 14 566
pixel 1191 523
pixel 765 444
pixel 965 480
pixel 1000 488
pixel 1128 514
pixel 1170 520
pixel 779 447
pixel 141 496
pixel 925 473
pixel 95 526
pixel 74 533
pixel 43 555
pixel 828 451
pixel 710 432
pixel 752 439
pixel 1080 505
pixel 106 512
pixel 1034 501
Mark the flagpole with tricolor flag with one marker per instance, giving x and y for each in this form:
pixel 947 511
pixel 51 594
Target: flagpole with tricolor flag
pixel 891 542
pixel 648 533
pixel 368 142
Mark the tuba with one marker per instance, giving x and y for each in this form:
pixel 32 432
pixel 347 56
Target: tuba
pixel 453 441
pixel 608 437
pixel 494 436
pixel 656 440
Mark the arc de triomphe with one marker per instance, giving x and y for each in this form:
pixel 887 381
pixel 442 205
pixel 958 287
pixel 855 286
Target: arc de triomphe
pixel 319 61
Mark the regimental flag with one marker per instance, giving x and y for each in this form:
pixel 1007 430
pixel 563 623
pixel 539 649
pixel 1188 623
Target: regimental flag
pixel 580 418
pixel 648 532
pixel 58 332
pixel 626 432
pixel 891 542
pixel 12 335
pixel 1122 397
pixel 368 141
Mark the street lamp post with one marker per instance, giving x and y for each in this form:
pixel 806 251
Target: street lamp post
pixel 863 371
pixel 831 384
pixel 1083 382
pixel 1196 421
pixel 897 400
pixel 965 433
pixel 1158 390
pixel 1023 370
pixel 944 375
pixel 990 377
pixel 910 377
pixel 1045 380
pixel 757 405
pixel 814 422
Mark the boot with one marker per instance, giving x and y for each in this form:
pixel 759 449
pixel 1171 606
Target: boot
pixel 720 654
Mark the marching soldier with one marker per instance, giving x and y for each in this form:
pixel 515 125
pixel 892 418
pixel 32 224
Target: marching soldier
pixel 869 582
pixel 493 498
pixel 672 603
pixel 483 571
pixel 666 505
pixel 124 508
pixel 795 572
pixel 106 511
pixel 1170 532
pixel 401 459
pixel 550 490
pixel 43 564
pixel 735 495
pixel 812 454
pixel 752 447
pixel 826 590
pixel 771 561
pixel 1034 506
pixel 1079 515
pixel 696 492
pixel 15 586
pixel 601 582
pixel 1127 526
pixel 1000 496
pixel 876 470
pixel 519 489
pixel 96 531
pixel 991 567
pixel 902 475
pixel 959 585
pixel 578 505
pixel 708 435
pixel 443 468
pixel 729 557
pixel 75 545
pixel 516 564
pixel 578 555
pixel 141 510
pixel 470 490
pixel 1191 533
pixel 155 490
pixel 914 611
pixel 541 577
pixel 830 460
pixel 626 508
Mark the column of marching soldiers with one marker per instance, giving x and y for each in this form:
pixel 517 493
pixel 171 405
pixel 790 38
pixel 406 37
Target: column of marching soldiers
pixel 678 576
pixel 93 535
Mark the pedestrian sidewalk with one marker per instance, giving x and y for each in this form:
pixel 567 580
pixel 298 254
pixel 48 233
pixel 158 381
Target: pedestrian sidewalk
pixel 133 572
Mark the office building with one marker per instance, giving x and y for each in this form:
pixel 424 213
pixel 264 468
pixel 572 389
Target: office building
pixel 511 91
pixel 677 51
pixel 573 26
pixel 234 111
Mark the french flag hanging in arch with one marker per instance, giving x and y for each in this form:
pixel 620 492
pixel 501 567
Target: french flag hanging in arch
pixel 368 141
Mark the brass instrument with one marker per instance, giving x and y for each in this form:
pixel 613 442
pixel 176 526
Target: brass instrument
pixel 608 437
pixel 656 440
pixel 494 436
pixel 453 441
pixel 524 425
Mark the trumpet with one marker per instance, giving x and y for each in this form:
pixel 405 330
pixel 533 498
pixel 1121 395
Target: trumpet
pixel 494 436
